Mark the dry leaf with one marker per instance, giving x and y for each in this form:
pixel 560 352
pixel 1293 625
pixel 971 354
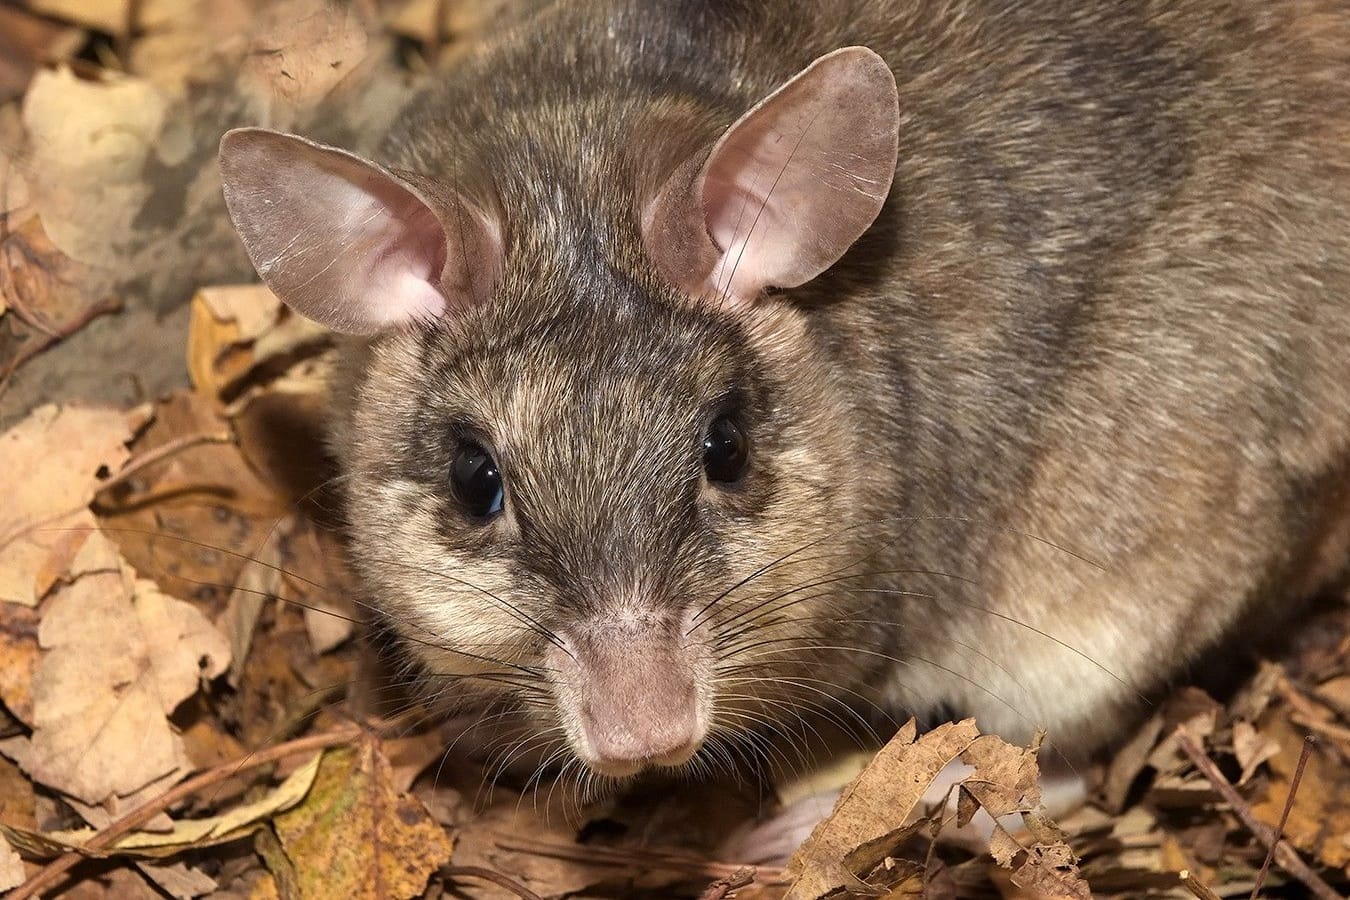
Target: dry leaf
pixel 178 880
pixel 1005 783
pixel 282 431
pixel 237 330
pixel 1048 870
pixel 18 803
pixel 182 43
pixel 54 461
pixel 1005 778
pixel 1319 822
pixel 327 630
pixel 27 41
pixel 11 867
pixel 118 658
pixel 182 835
pixel 355 837
pixel 875 806
pixel 258 581
pixel 1336 693
pixel 19 656
pixel 251 308
pixel 1251 749
pixel 110 16
pixel 304 50
pixel 91 142
pixel 516 837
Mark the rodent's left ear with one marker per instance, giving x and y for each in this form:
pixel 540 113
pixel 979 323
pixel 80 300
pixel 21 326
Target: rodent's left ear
pixel 349 243
pixel 788 188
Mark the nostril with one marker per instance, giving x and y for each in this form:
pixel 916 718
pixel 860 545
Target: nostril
pixel 633 736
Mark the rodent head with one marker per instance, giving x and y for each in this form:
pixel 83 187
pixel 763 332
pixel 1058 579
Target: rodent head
pixel 589 490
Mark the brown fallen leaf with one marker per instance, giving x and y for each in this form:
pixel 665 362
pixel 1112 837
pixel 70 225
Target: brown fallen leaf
pixel 27 41
pixel 355 837
pixel 118 658
pixel 17 800
pixel 11 867
pixel 1335 692
pixel 282 432
pixel 874 808
pixel 259 581
pixel 1251 749
pixel 185 44
pixel 178 880
pixel 240 335
pixel 1045 869
pixel 1005 783
pixel 19 656
pixel 110 16
pixel 1005 778
pixel 304 49
pixel 47 294
pixel 90 141
pixel 1319 822
pixel 55 459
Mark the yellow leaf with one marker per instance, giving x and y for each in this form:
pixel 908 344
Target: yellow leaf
pixel 356 837
pixel 186 834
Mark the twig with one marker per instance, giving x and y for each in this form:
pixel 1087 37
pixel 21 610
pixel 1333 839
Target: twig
pixel 649 858
pixel 1196 887
pixel 496 878
pixel 65 330
pixel 1337 732
pixel 157 454
pixel 52 872
pixel 1285 855
pixel 1284 816
pixel 719 889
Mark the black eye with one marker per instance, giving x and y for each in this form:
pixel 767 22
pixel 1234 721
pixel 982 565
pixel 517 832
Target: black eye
pixel 476 481
pixel 726 450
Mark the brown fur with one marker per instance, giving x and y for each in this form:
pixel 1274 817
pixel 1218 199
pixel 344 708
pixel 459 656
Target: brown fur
pixel 1105 309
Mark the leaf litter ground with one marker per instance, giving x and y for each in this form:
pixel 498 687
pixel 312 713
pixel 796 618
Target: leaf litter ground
pixel 186 707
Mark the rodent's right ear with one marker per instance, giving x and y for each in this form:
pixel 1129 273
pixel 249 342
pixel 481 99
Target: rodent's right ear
pixel 348 243
pixel 787 188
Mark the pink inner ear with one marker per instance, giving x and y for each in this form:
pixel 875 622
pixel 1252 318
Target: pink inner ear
pixel 789 187
pixel 345 242
pixel 397 250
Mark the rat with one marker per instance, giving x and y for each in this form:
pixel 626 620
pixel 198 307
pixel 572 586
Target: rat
pixel 713 367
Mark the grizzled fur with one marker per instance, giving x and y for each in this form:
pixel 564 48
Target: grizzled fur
pixel 1074 408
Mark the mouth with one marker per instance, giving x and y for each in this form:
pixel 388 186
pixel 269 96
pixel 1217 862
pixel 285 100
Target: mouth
pixel 620 767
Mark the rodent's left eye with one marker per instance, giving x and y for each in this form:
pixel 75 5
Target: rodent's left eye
pixel 726 451
pixel 477 481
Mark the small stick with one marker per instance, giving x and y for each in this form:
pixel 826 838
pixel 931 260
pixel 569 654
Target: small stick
pixel 156 454
pixel 643 857
pixel 720 888
pixel 1197 887
pixel 53 871
pixel 1337 732
pixel 496 878
pixel 1285 855
pixel 65 330
pixel 1284 816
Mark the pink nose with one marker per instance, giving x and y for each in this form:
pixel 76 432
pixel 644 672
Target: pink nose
pixel 633 693
pixel 656 726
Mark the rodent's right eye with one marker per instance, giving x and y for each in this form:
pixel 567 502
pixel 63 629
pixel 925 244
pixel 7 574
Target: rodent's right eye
pixel 477 481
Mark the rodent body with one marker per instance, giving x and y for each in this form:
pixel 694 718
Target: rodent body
pixel 1074 406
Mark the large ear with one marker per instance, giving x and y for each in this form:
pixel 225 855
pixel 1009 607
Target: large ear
pixel 788 188
pixel 348 243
